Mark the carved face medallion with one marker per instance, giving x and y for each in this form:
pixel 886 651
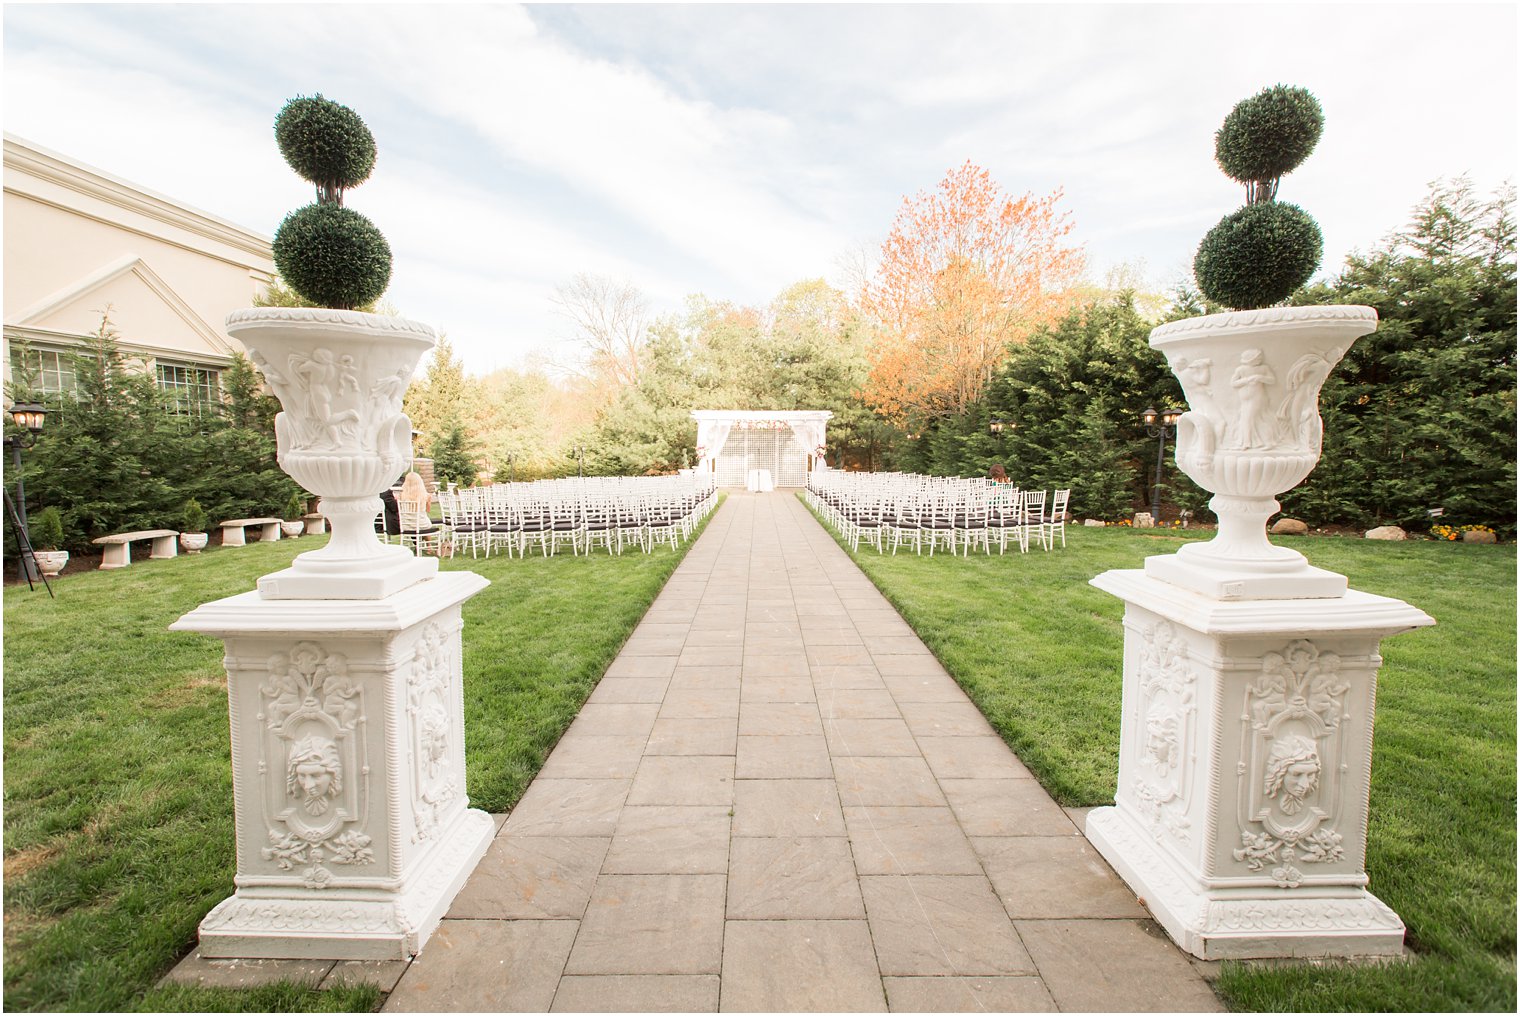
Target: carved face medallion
pixel 314 773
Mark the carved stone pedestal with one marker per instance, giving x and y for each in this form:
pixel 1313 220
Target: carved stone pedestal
pixel 1245 751
pixel 353 829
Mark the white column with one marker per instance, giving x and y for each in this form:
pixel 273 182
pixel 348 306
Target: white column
pixel 353 829
pixel 1245 750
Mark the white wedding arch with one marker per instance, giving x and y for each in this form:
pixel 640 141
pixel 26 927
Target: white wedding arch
pixel 731 443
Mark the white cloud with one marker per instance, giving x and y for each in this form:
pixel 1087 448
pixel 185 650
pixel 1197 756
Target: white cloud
pixel 733 150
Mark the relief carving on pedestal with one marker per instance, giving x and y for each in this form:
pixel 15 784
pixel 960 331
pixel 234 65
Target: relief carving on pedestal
pixel 1292 746
pixel 435 782
pixel 310 709
pixel 1167 685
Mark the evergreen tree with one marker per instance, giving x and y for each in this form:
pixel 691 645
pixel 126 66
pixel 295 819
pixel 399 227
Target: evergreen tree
pixel 1071 397
pixel 122 457
pixel 453 461
pixel 1421 413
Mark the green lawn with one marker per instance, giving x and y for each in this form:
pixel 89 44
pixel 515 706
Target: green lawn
pixel 118 783
pixel 1038 650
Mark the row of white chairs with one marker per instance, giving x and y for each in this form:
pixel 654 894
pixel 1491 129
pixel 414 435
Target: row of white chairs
pixel 580 512
pixel 951 512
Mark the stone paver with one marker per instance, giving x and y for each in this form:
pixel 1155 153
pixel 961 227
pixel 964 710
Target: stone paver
pixel 778 800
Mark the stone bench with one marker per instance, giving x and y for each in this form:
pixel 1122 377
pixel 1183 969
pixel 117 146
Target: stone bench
pixel 316 524
pixel 118 552
pixel 232 531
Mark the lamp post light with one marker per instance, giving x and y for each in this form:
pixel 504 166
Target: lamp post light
pixel 28 418
pixel 1159 426
pixel 995 426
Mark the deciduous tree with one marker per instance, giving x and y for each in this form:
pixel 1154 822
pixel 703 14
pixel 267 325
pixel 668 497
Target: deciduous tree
pixel 966 270
pixel 610 319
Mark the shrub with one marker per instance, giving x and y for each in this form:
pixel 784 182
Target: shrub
pixel 1258 255
pixel 295 508
pixel 1262 253
pixel 194 517
pixel 333 256
pixel 330 255
pixel 1269 135
pixel 326 143
pixel 46 529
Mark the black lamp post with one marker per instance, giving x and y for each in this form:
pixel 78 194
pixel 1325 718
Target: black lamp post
pixel 28 418
pixel 1160 426
pixel 580 455
pixel 511 468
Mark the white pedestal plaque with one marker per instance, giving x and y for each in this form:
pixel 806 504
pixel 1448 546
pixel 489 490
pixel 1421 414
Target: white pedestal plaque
pixel 353 829
pixel 1245 752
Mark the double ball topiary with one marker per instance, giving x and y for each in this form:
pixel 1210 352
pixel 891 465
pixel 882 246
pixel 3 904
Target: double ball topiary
pixel 1260 254
pixel 331 255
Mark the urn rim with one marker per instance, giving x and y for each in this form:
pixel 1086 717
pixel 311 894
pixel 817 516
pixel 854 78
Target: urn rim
pixel 1353 318
pixel 377 325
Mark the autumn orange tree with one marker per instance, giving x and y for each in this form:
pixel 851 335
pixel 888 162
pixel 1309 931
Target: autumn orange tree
pixel 966 270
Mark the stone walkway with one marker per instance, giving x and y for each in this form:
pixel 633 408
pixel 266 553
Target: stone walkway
pixel 777 800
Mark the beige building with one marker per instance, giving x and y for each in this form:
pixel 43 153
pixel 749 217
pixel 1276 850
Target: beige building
pixel 80 242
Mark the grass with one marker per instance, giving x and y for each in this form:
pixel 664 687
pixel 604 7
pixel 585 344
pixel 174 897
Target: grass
pixel 118 783
pixel 1038 650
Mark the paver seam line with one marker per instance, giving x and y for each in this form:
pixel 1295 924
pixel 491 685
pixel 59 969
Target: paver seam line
pixel 981 864
pixel 801 511
pixel 944 951
pixel 591 894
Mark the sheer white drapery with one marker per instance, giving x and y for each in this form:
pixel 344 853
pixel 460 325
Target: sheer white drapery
pixel 804 426
pixel 808 433
pixel 712 435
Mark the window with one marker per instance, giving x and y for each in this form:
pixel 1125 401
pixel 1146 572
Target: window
pixel 44 370
pixel 193 388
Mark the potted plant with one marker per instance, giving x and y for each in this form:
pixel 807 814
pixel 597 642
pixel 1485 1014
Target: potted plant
pixel 1252 376
pixel 295 522
pixel 193 537
pixel 47 536
pixel 339 373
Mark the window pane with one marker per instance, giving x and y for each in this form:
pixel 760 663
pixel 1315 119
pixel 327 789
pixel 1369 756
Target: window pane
pixel 193 388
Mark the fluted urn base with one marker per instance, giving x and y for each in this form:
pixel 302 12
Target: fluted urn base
pixel 354 565
pixel 1241 564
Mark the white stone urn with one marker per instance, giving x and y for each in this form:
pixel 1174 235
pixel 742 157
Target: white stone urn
pixel 340 376
pixel 293 528
pixel 344 674
pixel 1253 430
pixel 51 562
pixel 193 543
pixel 1250 678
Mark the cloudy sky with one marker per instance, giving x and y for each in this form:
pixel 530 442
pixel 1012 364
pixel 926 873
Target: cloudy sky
pixel 733 150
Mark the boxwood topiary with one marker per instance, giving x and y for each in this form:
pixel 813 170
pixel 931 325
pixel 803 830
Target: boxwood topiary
pixel 326 143
pixel 1267 136
pixel 46 529
pixel 331 255
pixel 1260 254
pixel 194 517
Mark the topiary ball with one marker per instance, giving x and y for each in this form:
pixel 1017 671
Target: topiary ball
pixel 1269 134
pixel 1258 255
pixel 325 142
pixel 333 256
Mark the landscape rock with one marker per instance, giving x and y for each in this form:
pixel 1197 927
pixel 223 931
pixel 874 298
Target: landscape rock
pixel 1289 527
pixel 1479 536
pixel 1143 520
pixel 1387 533
pixel 1093 522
